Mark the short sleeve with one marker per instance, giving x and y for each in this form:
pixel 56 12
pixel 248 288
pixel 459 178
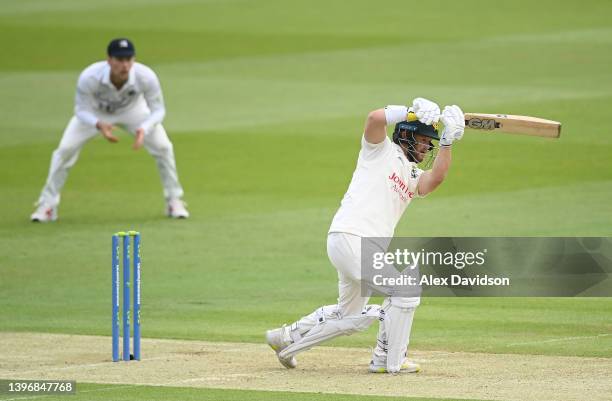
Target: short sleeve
pixel 375 151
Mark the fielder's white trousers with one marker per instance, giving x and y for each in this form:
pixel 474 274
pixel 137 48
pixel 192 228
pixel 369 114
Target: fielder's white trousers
pixel 77 134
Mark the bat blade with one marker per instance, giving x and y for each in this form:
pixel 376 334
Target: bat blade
pixel 522 125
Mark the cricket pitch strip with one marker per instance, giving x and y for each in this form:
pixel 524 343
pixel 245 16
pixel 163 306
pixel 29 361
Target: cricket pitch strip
pixel 324 369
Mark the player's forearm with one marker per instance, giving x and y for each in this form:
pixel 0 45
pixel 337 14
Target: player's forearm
pixel 86 117
pixel 377 121
pixel 431 179
pixel 374 130
pixel 156 117
pixel 441 165
pixel 82 108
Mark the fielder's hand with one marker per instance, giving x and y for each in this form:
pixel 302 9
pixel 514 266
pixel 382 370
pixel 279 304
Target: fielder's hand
pixel 426 111
pixel 107 131
pixel 454 123
pixel 139 139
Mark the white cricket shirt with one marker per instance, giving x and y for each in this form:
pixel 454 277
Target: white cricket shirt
pixel 383 185
pixel 96 95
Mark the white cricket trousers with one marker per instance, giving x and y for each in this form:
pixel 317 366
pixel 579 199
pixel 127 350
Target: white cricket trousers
pixel 344 251
pixel 77 134
pixel 326 322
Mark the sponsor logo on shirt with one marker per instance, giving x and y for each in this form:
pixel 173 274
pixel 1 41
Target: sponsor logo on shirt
pixel 111 102
pixel 400 187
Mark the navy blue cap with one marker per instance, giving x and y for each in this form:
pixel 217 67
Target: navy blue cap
pixel 121 47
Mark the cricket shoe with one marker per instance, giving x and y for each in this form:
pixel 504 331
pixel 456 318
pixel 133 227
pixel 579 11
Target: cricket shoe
pixel 380 366
pixel 276 340
pixel 44 213
pixel 177 209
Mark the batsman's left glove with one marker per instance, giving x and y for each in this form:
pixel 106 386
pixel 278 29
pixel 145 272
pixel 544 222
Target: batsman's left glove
pixel 426 111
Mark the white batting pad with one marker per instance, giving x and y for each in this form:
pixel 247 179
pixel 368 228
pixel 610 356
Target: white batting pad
pixel 394 331
pixel 332 327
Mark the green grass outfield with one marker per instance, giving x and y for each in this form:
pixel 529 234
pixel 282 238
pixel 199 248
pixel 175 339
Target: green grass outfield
pixel 266 102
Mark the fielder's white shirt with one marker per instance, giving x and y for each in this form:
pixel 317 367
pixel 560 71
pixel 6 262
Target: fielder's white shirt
pixel 383 185
pixel 96 95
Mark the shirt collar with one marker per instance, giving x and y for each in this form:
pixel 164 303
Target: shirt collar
pixel 106 77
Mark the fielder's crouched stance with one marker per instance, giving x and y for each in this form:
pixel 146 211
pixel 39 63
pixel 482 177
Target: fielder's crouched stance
pixel 384 182
pixel 120 92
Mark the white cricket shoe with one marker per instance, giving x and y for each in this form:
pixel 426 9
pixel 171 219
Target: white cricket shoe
pixel 275 340
pixel 176 209
pixel 44 213
pixel 380 366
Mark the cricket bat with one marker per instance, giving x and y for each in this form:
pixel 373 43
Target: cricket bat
pixel 523 125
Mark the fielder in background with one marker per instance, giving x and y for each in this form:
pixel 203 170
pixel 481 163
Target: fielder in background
pixel 115 92
pixel 384 183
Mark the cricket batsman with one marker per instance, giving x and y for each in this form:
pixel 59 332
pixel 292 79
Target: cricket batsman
pixel 384 183
pixel 116 92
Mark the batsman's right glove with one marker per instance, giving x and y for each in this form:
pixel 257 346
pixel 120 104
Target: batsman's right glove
pixel 454 123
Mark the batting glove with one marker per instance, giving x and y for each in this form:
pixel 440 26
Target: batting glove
pixel 426 111
pixel 454 123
